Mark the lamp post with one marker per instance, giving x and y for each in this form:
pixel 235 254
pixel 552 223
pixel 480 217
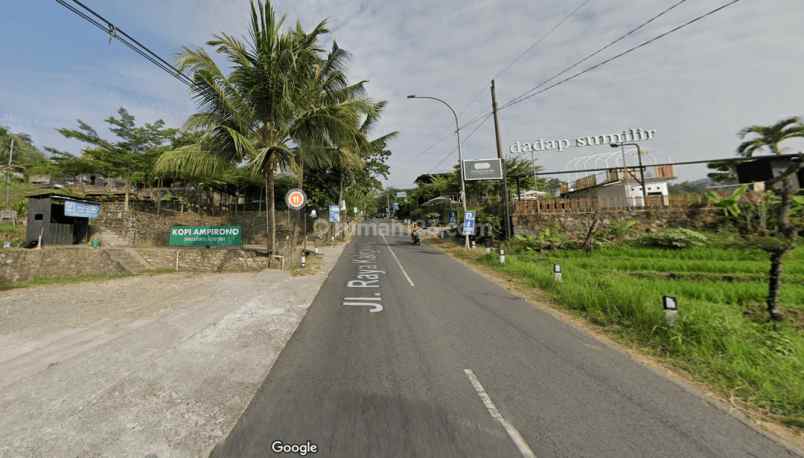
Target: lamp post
pixel 641 170
pixel 460 155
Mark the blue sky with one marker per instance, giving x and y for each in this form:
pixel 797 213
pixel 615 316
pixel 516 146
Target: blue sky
pixel 696 88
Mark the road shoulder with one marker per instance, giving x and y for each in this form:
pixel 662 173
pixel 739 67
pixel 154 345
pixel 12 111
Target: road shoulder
pixel 166 370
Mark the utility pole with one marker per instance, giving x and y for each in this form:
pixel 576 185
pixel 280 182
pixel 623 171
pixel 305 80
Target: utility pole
pixel 502 162
pixel 8 175
pixel 460 158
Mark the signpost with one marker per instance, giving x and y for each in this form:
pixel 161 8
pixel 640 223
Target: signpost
pixel 205 236
pixel 334 214
pixel 295 199
pixel 483 169
pixel 469 223
pixel 401 194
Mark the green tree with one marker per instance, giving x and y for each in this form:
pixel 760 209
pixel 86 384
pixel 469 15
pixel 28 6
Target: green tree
pixel 778 235
pixel 26 154
pixel 131 155
pixel 261 111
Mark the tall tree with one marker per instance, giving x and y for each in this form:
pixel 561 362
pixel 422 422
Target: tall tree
pixel 259 112
pixel 779 236
pixel 130 155
pixel 26 154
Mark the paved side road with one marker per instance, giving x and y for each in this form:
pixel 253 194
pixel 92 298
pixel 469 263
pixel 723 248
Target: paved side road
pixel 142 366
pixel 407 353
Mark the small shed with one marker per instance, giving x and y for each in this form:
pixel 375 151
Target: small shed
pixel 59 217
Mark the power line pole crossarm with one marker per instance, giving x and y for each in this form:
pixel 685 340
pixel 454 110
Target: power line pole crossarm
pixel 502 162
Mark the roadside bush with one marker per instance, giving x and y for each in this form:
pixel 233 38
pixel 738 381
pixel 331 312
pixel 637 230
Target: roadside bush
pixel 674 238
pixel 546 239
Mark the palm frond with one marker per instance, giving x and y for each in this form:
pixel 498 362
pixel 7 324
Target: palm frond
pixel 190 162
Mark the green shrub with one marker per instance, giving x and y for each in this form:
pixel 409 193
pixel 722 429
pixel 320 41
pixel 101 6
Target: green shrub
pixel 674 238
pixel 546 239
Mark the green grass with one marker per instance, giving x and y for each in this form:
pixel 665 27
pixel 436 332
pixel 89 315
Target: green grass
pixel 721 336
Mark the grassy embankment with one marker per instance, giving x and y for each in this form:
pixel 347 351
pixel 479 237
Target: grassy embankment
pixel 721 336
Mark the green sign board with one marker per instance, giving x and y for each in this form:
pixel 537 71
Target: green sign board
pixel 211 236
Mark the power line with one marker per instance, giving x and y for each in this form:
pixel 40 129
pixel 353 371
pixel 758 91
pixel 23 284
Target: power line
pixel 543 37
pixel 533 46
pixel 445 137
pixel 113 31
pixel 617 56
pixel 463 142
pixel 605 47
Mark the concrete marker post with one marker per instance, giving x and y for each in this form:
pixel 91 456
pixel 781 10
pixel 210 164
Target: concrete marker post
pixel 670 306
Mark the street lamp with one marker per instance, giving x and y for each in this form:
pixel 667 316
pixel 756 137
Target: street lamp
pixel 460 156
pixel 641 169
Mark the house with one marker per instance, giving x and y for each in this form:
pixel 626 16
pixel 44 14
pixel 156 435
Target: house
pixel 59 218
pixel 623 187
pixel 41 180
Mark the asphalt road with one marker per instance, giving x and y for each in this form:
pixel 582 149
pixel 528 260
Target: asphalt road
pixel 432 360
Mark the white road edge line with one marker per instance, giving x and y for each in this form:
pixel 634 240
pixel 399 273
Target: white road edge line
pixel 404 272
pixel 513 433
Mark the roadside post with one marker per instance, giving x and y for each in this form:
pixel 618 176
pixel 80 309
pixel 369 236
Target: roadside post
pixel 468 224
pixel 334 218
pixel 557 272
pixel 670 305
pixel 295 200
pixel 502 256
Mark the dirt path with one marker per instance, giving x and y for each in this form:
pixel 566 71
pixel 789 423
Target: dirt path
pixel 160 365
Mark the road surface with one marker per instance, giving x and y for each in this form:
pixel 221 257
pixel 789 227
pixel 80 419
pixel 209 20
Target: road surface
pixel 408 353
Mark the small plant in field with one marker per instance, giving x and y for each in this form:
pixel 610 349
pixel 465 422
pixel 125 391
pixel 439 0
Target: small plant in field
pixel 674 238
pixel 619 230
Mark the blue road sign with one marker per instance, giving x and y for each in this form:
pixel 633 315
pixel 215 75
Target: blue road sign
pixel 469 223
pixel 334 213
pixel 453 217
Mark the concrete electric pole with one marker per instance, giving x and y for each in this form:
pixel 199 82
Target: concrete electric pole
pixel 507 221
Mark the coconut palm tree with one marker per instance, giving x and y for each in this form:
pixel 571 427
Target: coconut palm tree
pixel 770 137
pixel 258 113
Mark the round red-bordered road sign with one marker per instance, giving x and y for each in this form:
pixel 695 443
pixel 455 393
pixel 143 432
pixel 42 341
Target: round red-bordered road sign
pixel 295 199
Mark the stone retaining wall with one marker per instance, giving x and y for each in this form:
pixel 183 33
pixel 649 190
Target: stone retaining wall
pixel 139 224
pixel 22 265
pixel 577 223
pixel 65 262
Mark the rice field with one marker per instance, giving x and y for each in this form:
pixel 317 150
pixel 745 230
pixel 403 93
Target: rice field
pixel 721 336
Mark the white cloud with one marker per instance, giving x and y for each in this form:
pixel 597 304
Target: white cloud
pixel 697 88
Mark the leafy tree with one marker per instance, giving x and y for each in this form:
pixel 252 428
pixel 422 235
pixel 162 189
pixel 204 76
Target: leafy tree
pixel 260 112
pixel 26 154
pixel 131 155
pixel 776 233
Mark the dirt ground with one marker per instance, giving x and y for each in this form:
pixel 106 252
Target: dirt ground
pixel 141 366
